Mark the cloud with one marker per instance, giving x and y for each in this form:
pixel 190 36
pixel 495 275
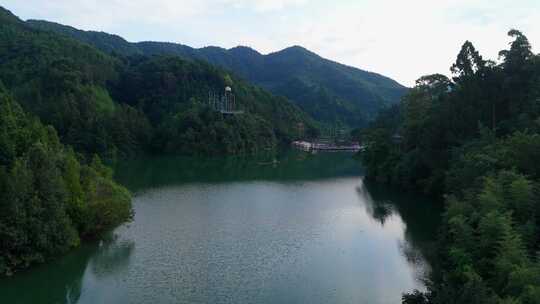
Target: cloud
pixel 401 39
pixel 408 39
pixel 265 5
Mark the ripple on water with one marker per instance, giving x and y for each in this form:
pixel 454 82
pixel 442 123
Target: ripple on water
pixel 325 241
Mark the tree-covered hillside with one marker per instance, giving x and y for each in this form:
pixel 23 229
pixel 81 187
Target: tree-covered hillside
pixel 50 197
pixel 62 102
pixel 125 105
pixel 330 92
pixel 173 94
pixel 475 138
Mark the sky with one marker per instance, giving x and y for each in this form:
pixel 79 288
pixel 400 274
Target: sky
pixel 403 40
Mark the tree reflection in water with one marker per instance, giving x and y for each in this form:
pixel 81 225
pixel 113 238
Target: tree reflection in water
pixel 61 280
pixel 109 271
pixel 420 217
pixel 112 257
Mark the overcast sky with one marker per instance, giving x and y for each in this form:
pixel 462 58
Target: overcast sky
pixel 400 39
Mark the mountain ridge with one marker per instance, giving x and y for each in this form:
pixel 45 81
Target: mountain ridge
pixel 125 105
pixel 331 92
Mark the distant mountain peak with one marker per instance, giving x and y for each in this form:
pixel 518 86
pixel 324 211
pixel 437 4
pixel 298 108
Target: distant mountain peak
pixel 52 23
pixel 4 11
pixel 329 91
pixel 213 48
pixel 7 15
pixel 297 49
pixel 244 50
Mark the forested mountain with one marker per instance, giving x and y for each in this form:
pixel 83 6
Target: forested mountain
pixel 63 102
pixel 330 92
pixel 124 105
pixel 50 197
pixel 475 138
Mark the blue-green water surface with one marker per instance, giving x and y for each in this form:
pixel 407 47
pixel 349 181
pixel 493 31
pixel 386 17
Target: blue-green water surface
pixel 303 229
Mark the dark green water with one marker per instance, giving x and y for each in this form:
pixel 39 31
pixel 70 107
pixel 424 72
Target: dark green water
pixel 304 230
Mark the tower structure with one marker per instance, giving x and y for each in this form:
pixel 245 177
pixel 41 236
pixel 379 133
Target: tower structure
pixel 226 103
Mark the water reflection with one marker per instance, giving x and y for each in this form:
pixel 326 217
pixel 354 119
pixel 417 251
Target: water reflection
pixel 380 209
pixel 420 214
pixel 61 281
pixel 307 229
pixel 58 282
pixel 292 165
pixel 112 257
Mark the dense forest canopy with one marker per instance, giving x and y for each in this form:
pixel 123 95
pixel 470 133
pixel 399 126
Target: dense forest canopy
pixel 50 197
pixel 330 92
pixel 63 102
pixel 475 138
pixel 117 106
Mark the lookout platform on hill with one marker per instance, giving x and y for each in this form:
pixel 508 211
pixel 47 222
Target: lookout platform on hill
pixel 225 103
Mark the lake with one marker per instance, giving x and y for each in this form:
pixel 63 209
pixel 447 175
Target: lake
pixel 304 229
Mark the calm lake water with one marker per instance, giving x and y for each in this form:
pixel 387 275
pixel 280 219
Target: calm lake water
pixel 307 229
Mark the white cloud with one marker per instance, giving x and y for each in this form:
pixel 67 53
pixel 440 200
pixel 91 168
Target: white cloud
pixel 401 39
pixel 264 5
pixel 408 39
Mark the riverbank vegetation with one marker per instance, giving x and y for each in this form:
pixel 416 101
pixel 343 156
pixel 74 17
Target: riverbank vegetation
pixel 51 197
pixel 476 139
pixel 63 102
pixel 118 105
